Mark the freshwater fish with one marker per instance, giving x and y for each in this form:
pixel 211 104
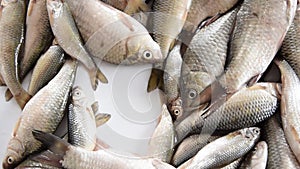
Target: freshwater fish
pixel 68 37
pixel 44 112
pixel 257 159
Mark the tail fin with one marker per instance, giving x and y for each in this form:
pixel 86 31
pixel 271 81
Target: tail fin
pixel 155 80
pixel 94 76
pixel 22 98
pixel 8 95
pixel 52 142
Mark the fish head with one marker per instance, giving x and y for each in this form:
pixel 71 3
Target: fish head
pixel 78 96
pixel 260 150
pixel 54 8
pixel 14 154
pixel 142 49
pixel 252 133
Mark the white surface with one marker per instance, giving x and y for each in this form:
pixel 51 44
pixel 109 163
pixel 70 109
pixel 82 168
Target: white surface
pixel 134 111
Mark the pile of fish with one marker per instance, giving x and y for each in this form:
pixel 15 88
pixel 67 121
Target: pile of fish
pixel 228 69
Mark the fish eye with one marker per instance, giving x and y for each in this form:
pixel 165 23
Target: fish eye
pixel 177 112
pixel 10 160
pixel 192 94
pixel 147 54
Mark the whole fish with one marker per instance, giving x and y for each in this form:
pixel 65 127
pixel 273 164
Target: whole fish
pixel 46 68
pixel 257 159
pixel 279 153
pixel 289 106
pixel 76 157
pixel 205 58
pixel 171 81
pixel 112 35
pixel 38 35
pixel 190 146
pixel 82 122
pixel 129 6
pixel 202 9
pixel 161 144
pixel 259 31
pixel 12 18
pixel 245 108
pixel 224 150
pixel 290 48
pixel 44 112
pixel 168 19
pixel 68 37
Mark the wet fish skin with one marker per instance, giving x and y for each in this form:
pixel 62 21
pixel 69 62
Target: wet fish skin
pixel 11 33
pixel 68 37
pixel 279 153
pixel 130 7
pixel 233 165
pixel 258 34
pixel 161 144
pixel 46 68
pixel 289 106
pixel 128 42
pixel 190 146
pixel 245 108
pixel 171 78
pixel 76 157
pixel 202 9
pixel 82 121
pixel 205 58
pixel 257 159
pixel 224 150
pixel 290 49
pixel 44 112
pixel 38 35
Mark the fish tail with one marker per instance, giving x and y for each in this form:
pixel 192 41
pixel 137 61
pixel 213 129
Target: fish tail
pixel 8 95
pixel 22 98
pixel 95 75
pixel 155 80
pixel 52 142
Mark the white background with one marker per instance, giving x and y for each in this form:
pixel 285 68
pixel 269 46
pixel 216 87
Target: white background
pixel 134 111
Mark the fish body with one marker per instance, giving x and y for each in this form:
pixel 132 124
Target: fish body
pixel 190 146
pixel 224 150
pixel 290 108
pixel 161 144
pixel 76 157
pixel 279 153
pixel 205 58
pixel 257 159
pixel 171 81
pixel 44 112
pixel 112 35
pixel 38 35
pixel 233 165
pixel 46 68
pixel 245 108
pixel 290 48
pixel 12 19
pixel 259 31
pixel 202 9
pixel 68 37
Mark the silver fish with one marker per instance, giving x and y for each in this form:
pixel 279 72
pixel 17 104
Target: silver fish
pixel 257 159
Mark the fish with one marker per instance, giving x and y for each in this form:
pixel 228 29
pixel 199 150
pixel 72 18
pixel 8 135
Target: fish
pixel 38 35
pixel 168 19
pixel 130 7
pixel 12 18
pixel 257 159
pixel 202 9
pixel 279 153
pixel 190 146
pixel 204 59
pixel 289 106
pixel 161 144
pixel 44 112
pixel 113 36
pixel 171 81
pixel 82 121
pixel 290 49
pixel 76 157
pixel 224 150
pixel 233 165
pixel 258 34
pixel 68 37
pixel 245 108
pixel 46 68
